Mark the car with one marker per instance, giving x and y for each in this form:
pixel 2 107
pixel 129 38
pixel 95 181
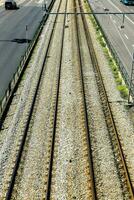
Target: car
pixel 10 5
pixel 127 2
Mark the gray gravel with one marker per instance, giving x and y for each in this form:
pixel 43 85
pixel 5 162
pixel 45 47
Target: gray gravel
pixel 71 174
pixel 33 179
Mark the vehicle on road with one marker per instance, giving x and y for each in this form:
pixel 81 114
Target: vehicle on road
pixel 10 5
pixel 128 2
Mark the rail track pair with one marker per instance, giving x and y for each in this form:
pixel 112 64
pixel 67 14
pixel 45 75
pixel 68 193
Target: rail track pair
pixel 113 134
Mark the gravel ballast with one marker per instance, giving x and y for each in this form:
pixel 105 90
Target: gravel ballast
pixel 71 175
pixel 121 112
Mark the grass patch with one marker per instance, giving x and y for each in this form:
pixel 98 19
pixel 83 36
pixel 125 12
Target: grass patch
pixel 123 91
pixel 118 81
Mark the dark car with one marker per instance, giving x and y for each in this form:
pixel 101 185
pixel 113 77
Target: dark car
pixel 10 4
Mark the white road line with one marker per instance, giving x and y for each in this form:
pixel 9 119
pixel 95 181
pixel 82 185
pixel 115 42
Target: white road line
pixel 126 36
pixel 133 45
pixel 40 2
pixel 123 41
pixel 114 21
pixel 121 11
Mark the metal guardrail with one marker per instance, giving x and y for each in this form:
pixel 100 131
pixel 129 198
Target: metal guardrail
pixel 18 74
pixel 122 68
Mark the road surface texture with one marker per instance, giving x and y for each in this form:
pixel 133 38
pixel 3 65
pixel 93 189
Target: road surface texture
pixel 13 36
pixel 121 38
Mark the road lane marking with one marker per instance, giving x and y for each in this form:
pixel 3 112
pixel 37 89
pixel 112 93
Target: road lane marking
pixel 40 2
pixel 121 12
pixel 126 36
pixel 123 41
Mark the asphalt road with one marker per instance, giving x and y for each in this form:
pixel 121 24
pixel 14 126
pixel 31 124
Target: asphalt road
pixel 121 38
pixel 13 34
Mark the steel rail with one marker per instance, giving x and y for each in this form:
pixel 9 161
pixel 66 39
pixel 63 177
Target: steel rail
pixel 90 158
pixel 18 158
pixel 48 193
pixel 108 115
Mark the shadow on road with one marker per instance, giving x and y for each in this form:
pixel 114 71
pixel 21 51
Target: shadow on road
pixel 20 41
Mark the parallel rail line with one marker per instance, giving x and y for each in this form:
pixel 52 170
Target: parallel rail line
pixel 94 195
pixel 48 193
pixel 19 154
pixel 113 133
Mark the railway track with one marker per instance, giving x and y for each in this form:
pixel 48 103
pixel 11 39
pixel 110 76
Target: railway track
pixel 48 192
pixel 48 182
pixel 23 137
pixel 54 147
pixel 85 106
pixel 56 187
pixel 50 169
pixel 120 161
